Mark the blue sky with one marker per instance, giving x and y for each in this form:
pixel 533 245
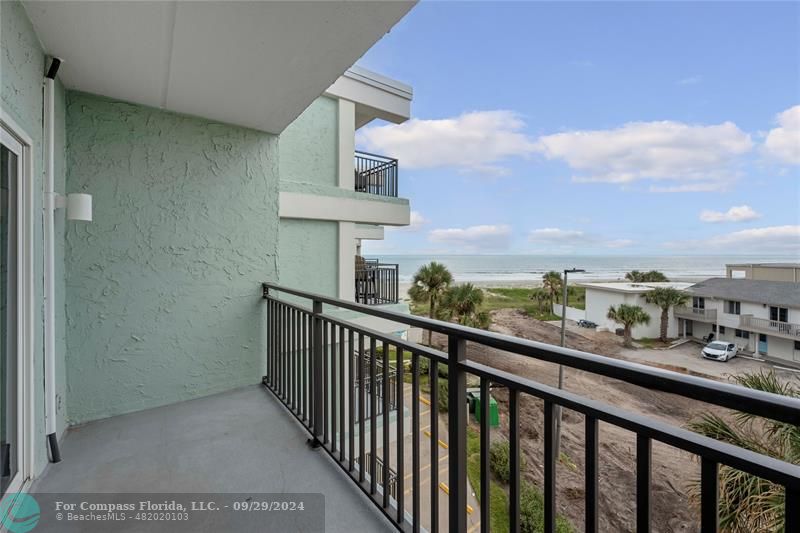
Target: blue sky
pixel 594 128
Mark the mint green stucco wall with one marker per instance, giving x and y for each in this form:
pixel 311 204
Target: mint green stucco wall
pixel 309 145
pixel 163 299
pixel 309 255
pixel 22 65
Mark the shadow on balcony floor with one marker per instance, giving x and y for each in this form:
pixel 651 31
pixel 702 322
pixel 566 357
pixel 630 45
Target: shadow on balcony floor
pixel 237 441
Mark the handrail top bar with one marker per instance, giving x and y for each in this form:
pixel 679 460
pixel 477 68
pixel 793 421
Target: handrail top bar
pixel 764 404
pixel 368 154
pixel 775 470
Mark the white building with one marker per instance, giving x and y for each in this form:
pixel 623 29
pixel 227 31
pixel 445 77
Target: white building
pixel 601 296
pixel 760 316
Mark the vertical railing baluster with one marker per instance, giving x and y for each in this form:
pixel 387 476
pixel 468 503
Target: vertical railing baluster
pixel 325 380
pixel 362 410
pixel 513 460
pixel 485 442
pixel 709 496
pixel 457 429
pixel 284 321
pixel 334 390
pixel 400 471
pixel 304 369
pixel 791 510
pixel 415 423
pixel 351 394
pixel 549 468
pixel 591 474
pixel 643 461
pixel 434 417
pixel 342 368
pixel 373 416
pixel 292 351
pixel 386 389
pixel 316 365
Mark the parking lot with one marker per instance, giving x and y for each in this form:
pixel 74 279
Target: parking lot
pixel 684 358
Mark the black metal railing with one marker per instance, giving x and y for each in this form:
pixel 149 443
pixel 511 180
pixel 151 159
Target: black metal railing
pixel 312 361
pixel 377 283
pixel 375 174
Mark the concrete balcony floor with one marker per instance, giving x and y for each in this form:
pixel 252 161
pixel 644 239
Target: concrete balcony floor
pixel 238 441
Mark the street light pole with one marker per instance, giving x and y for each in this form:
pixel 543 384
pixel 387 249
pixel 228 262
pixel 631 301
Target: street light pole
pixel 557 446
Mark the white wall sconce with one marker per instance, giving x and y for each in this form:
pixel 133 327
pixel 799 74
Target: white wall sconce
pixel 78 206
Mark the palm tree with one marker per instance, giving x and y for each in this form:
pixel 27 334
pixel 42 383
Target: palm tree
pixel 552 283
pixel 652 276
pixel 748 503
pixel 629 316
pixel 666 298
pixel 463 303
pixel 429 284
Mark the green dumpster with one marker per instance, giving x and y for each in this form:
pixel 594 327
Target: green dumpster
pixel 494 416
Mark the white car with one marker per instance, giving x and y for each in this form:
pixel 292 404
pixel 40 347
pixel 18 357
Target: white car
pixel 720 351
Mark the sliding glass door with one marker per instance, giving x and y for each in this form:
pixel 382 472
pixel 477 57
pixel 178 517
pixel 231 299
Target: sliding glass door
pixel 10 368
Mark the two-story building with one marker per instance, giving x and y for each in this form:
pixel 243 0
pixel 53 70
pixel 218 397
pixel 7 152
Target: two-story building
pixel 760 315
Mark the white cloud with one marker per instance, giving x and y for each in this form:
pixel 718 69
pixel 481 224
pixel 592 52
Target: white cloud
pixel 474 238
pixel 774 239
pixel 691 80
pixel 692 157
pixel 737 213
pixel 783 143
pixel 568 238
pixel 478 141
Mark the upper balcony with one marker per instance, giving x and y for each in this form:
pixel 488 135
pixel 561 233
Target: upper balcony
pixel 376 283
pixel 375 174
pixel 696 313
pixel 786 330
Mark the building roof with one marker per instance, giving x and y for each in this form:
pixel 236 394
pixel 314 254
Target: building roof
pixel 781 293
pixel 765 265
pixel 634 288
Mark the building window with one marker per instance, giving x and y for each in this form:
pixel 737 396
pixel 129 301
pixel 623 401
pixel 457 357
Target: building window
pixel 714 328
pixel 698 302
pixel 722 330
pixel 778 314
pixel 742 334
pixel 797 345
pixel 733 308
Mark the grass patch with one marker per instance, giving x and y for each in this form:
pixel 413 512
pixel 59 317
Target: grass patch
pixel 531 498
pixel 498 506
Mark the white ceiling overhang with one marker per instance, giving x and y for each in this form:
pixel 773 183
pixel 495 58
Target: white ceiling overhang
pixel 254 64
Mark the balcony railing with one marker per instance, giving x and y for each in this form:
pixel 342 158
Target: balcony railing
pixel 312 365
pixel 764 325
pixel 375 174
pixel 696 313
pixel 376 283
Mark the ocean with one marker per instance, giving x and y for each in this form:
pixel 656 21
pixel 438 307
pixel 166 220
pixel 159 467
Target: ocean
pixel 520 269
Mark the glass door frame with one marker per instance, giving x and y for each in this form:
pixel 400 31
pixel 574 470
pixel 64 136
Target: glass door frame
pixel 19 142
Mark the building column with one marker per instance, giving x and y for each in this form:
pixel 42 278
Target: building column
pixel 347 144
pixel 347 261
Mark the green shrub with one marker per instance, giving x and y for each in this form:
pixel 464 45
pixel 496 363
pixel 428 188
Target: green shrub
pixel 500 460
pixel 531 511
pixel 443 389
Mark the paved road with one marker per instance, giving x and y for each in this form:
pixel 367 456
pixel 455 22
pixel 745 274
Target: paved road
pixel 473 509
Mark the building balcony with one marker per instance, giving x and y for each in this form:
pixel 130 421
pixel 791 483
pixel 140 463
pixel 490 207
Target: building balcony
pixel 376 283
pixel 375 174
pixel 786 330
pixel 696 313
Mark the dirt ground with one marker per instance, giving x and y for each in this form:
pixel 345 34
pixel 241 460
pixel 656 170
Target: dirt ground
pixel 673 471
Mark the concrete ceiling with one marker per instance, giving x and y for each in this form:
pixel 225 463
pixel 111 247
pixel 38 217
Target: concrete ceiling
pixel 254 64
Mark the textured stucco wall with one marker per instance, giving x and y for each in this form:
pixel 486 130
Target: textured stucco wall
pixel 22 65
pixel 163 301
pixel 309 255
pixel 309 145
